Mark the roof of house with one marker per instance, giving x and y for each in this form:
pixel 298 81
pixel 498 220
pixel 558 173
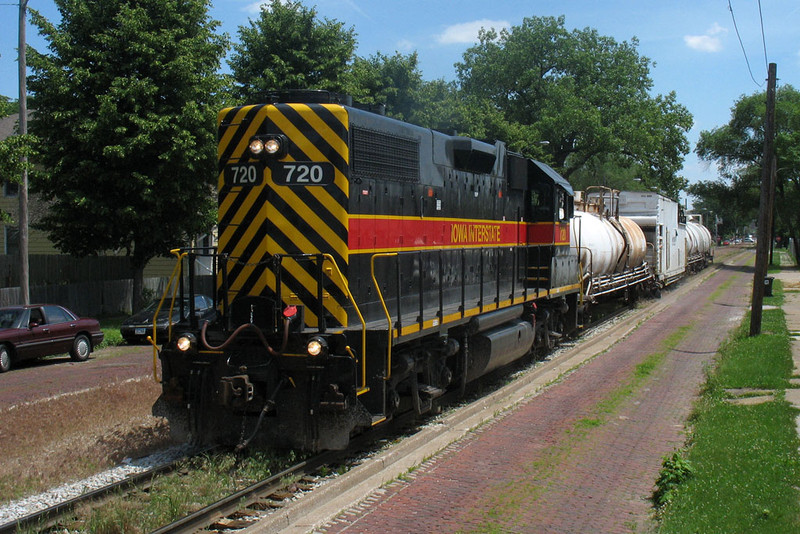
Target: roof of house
pixel 8 125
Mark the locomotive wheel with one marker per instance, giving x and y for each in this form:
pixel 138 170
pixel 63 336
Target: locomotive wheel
pixel 81 348
pixel 5 359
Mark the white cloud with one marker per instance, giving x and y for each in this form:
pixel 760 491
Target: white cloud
pixel 709 42
pixel 404 45
pixel 254 7
pixel 468 31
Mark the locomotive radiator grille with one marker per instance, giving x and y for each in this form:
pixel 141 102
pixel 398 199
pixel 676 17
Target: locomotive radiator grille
pixel 260 222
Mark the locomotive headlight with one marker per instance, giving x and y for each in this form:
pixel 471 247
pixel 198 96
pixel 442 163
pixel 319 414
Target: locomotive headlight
pixel 256 147
pixel 317 346
pixel 272 146
pixel 268 146
pixel 186 342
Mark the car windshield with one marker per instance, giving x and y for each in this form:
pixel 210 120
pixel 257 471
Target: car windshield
pixel 9 318
pixel 165 307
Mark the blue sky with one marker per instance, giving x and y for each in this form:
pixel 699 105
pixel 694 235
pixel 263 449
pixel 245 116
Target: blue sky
pixel 694 44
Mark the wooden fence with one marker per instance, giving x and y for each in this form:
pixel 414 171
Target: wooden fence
pixel 100 298
pixel 95 285
pixel 54 269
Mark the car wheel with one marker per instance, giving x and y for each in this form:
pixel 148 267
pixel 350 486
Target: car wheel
pixel 81 348
pixel 5 358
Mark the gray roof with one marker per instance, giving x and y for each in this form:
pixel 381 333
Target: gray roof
pixel 8 125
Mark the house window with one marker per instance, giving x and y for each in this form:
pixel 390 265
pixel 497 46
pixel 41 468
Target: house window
pixel 10 189
pixel 11 240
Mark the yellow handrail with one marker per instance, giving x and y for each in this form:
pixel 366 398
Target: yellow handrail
pixel 176 273
pixel 385 310
pixel 346 287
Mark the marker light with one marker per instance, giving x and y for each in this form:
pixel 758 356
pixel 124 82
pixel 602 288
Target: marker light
pixel 316 346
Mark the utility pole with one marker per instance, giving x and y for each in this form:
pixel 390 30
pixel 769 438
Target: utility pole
pixel 765 206
pixel 24 284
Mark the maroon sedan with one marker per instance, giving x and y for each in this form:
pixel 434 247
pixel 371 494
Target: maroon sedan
pixel 38 330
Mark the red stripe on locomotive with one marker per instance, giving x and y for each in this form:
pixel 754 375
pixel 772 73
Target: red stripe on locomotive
pixel 398 234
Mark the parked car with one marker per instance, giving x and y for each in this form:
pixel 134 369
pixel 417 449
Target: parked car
pixel 34 331
pixel 138 326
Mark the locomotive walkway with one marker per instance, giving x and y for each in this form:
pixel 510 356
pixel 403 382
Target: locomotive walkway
pixel 580 456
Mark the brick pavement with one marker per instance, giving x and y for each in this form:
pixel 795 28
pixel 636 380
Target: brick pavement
pixel 581 456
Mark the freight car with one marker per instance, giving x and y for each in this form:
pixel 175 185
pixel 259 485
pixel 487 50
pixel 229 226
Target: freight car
pixel 364 266
pixel 699 244
pixel 612 248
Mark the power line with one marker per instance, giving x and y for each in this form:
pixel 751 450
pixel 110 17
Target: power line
pixel 735 27
pixel 763 36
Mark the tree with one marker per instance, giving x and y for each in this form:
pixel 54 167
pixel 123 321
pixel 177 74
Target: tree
pixel 126 103
pixel 586 94
pixel 394 81
pixel 286 47
pixel 734 203
pixel 7 107
pixel 737 148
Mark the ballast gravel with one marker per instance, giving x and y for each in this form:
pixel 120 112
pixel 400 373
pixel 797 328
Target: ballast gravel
pixel 16 510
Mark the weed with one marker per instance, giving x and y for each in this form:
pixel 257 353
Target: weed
pixel 675 470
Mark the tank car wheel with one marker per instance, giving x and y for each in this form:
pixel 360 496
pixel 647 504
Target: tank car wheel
pixel 81 348
pixel 5 358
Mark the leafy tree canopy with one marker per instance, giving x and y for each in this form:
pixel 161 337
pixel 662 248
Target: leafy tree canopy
pixel 393 81
pixel 287 47
pixel 738 149
pixel 584 93
pixel 125 111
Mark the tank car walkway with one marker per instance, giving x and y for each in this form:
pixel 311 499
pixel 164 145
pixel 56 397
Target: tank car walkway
pixel 580 456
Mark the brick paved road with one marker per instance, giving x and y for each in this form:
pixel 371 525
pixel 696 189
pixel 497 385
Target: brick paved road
pixel 583 455
pixel 35 380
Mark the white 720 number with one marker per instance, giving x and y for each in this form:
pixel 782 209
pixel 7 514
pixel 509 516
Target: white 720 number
pixel 303 174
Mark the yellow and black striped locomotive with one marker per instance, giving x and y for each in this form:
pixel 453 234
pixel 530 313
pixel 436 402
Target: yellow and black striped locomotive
pixel 364 266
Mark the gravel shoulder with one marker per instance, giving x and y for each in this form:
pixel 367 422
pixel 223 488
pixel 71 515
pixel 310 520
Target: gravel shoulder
pixel 64 420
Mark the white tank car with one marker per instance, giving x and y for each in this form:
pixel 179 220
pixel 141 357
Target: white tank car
pixel 607 245
pixel 698 243
pixel 612 249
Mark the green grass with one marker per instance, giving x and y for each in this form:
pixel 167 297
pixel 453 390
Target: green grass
pixel 741 466
pixel 110 327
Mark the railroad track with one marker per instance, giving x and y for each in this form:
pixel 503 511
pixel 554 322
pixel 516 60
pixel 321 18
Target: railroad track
pixel 263 495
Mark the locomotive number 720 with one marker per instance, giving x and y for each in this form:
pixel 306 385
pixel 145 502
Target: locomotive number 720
pixel 244 174
pixel 303 173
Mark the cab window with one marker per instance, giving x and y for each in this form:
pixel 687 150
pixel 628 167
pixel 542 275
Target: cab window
pixel 541 203
pixel 562 207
